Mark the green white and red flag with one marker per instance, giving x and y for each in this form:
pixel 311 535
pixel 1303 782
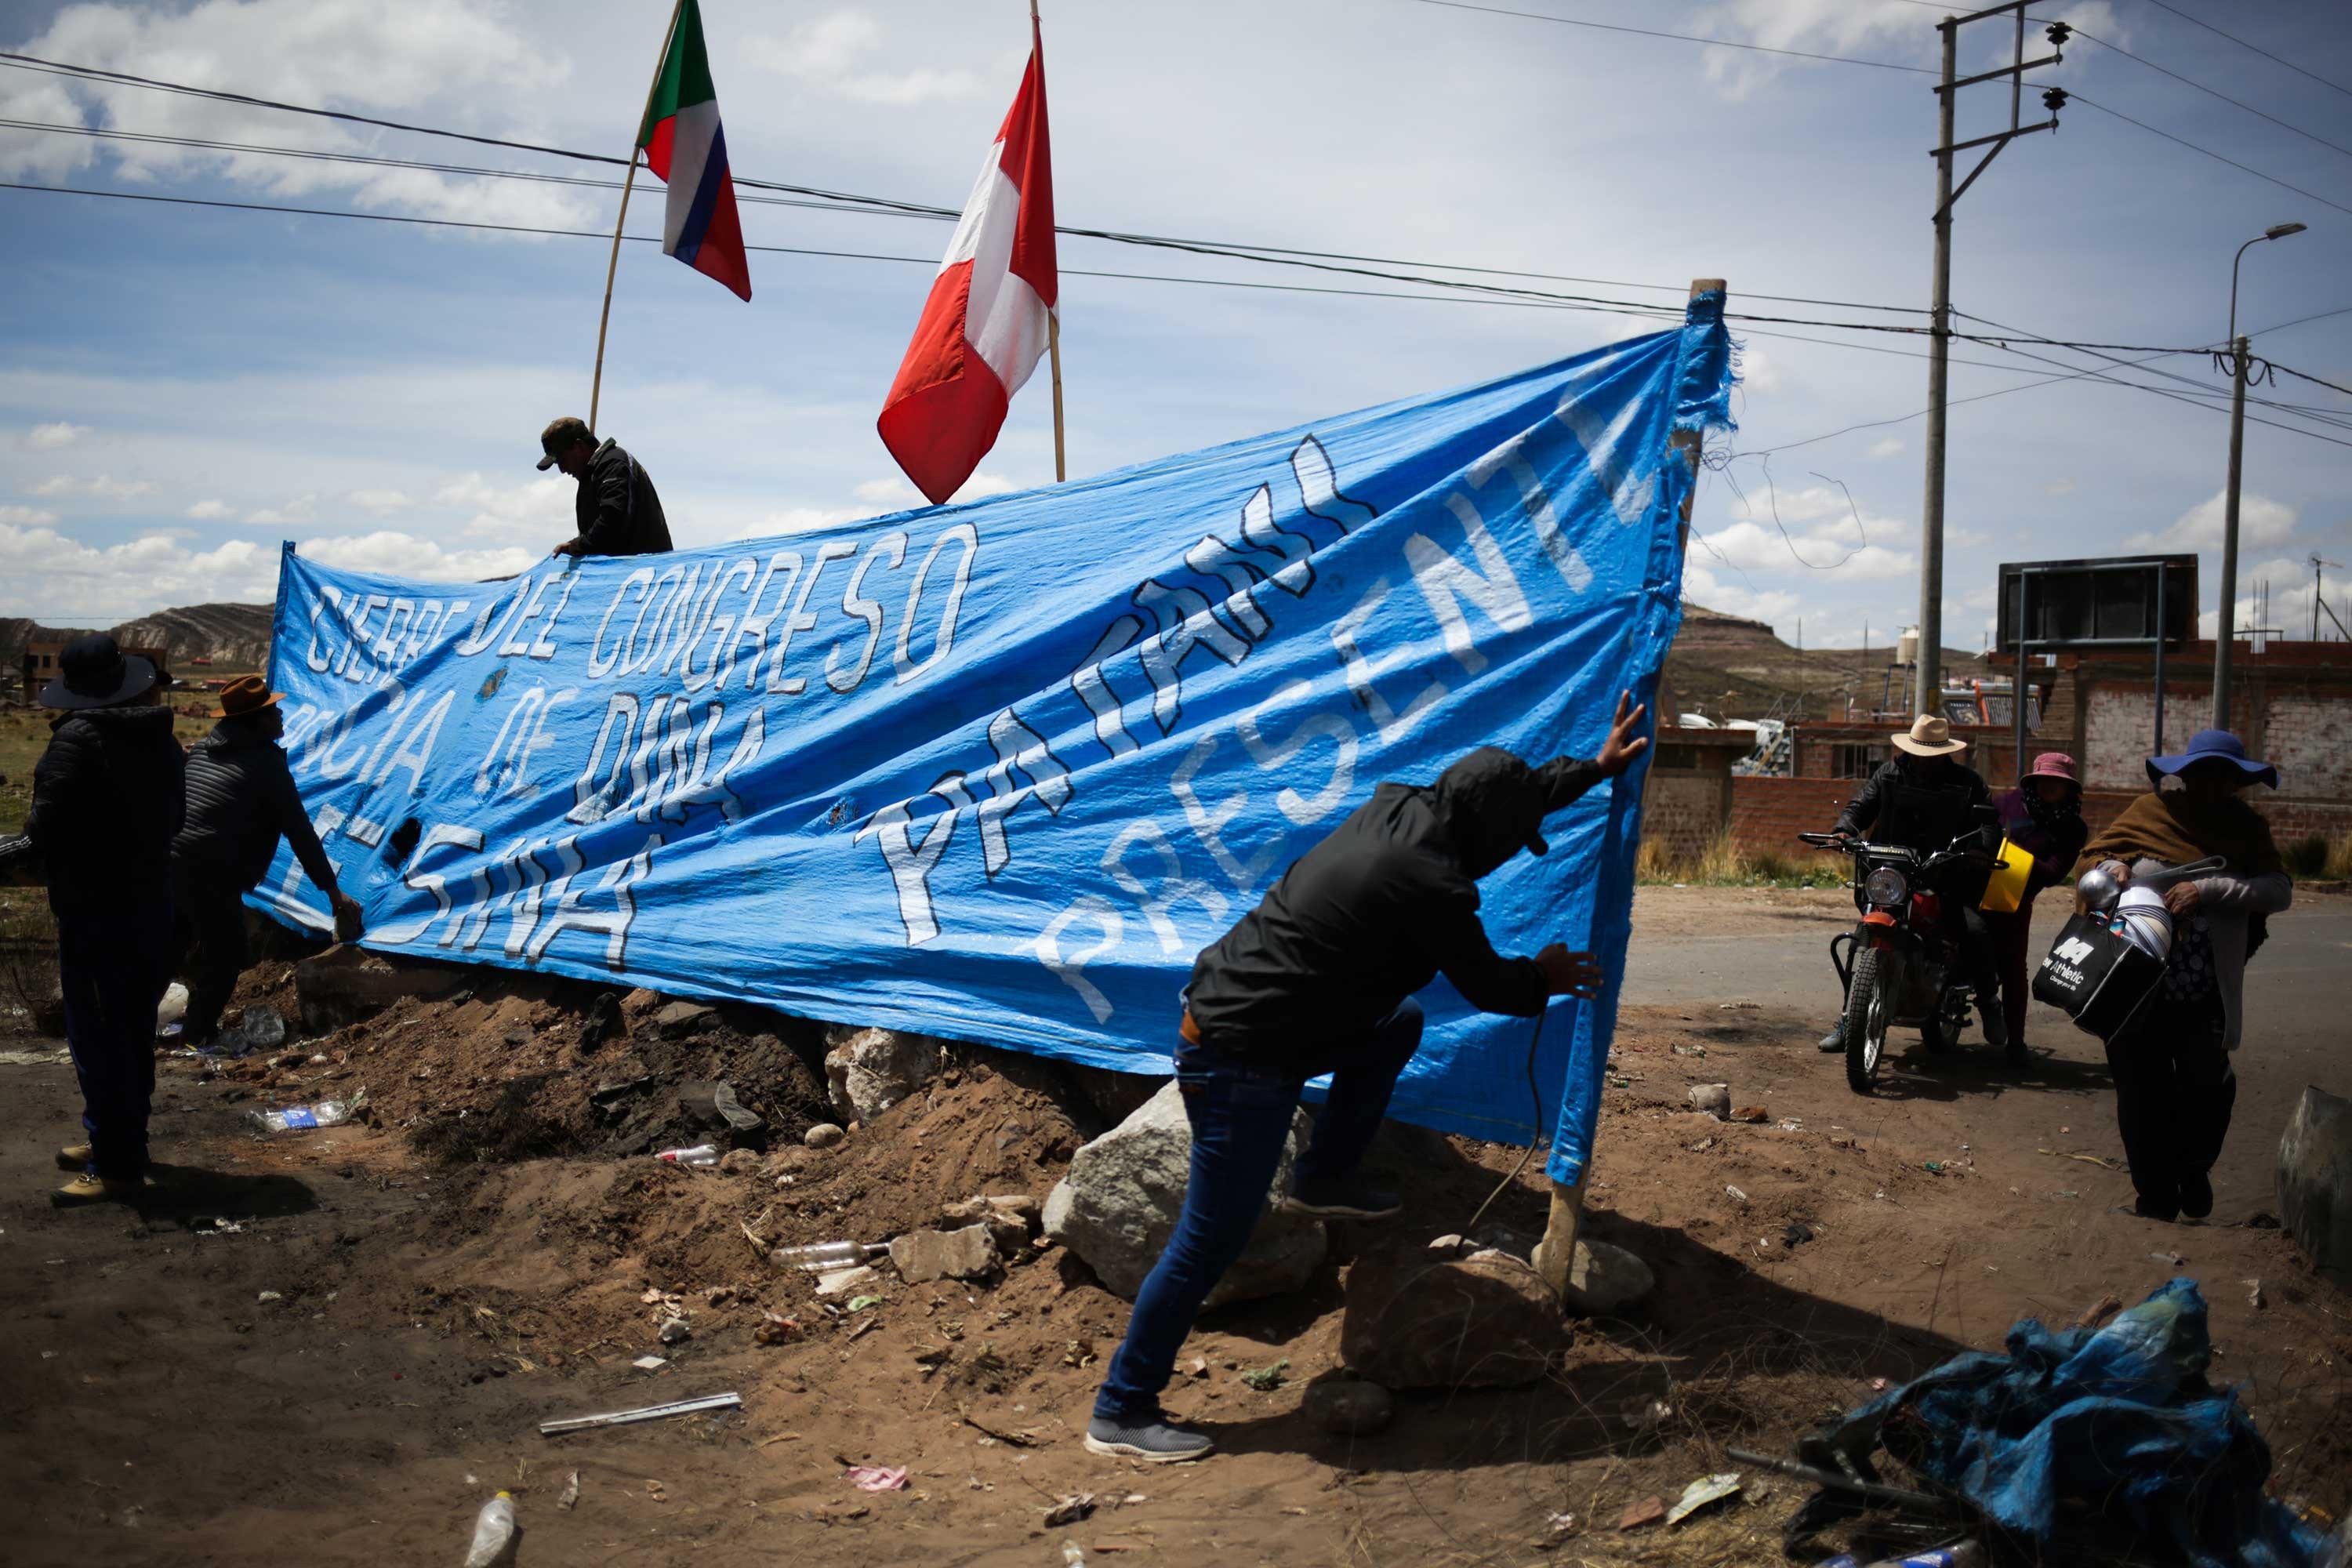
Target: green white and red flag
pixel 683 144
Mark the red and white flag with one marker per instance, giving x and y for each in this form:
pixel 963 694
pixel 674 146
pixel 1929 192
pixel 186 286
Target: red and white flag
pixel 986 321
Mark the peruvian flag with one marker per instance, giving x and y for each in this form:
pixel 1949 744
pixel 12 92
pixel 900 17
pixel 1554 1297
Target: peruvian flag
pixel 685 146
pixel 986 321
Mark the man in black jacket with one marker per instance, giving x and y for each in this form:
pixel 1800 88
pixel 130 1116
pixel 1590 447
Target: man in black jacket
pixel 618 513
pixel 106 800
pixel 241 800
pixel 1320 978
pixel 1922 799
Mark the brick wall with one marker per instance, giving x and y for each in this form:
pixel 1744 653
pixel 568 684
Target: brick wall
pixel 1767 813
pixel 2119 721
pixel 1683 812
pixel 2310 740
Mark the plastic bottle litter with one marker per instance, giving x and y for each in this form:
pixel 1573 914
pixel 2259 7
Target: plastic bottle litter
pixel 702 1156
pixel 823 1257
pixel 1959 1554
pixel 295 1118
pixel 494 1533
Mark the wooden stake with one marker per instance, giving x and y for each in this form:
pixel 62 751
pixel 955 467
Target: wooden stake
pixel 1556 1254
pixel 604 320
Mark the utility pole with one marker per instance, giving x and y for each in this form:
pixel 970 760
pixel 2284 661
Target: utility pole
pixel 2225 635
pixel 1929 679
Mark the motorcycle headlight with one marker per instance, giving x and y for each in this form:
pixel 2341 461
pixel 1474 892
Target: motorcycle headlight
pixel 1885 886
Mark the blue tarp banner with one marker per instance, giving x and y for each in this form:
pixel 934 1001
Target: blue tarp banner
pixel 997 772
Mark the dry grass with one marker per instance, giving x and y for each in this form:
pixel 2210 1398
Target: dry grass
pixel 2320 858
pixel 1724 863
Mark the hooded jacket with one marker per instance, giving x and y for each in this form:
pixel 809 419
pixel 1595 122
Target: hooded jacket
pixel 106 802
pixel 617 511
pixel 1380 907
pixel 241 798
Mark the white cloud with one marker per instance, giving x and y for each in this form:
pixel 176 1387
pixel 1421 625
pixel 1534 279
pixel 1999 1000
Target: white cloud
pixel 379 501
pixel 1702 586
pixel 897 492
pixel 2059 487
pixel 208 510
pixel 1886 447
pixel 50 438
pixel 1825 532
pixel 292 514
pixel 2260 521
pixel 1890 30
pixel 406 556
pixel 27 516
pixel 105 486
pixel 42 568
pixel 449 61
pixel 532 508
pixel 1760 371
pixel 836 54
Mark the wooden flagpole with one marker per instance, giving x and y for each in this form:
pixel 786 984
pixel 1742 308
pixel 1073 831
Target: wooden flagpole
pixel 603 320
pixel 1054 316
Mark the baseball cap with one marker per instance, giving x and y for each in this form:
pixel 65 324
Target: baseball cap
pixel 559 434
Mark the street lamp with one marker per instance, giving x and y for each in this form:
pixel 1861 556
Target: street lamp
pixel 2225 630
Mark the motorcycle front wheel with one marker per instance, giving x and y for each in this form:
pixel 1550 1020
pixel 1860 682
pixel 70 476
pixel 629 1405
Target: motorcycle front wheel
pixel 1867 1008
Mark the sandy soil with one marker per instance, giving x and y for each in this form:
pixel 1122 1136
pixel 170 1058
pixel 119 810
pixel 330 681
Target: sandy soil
pixel 331 1347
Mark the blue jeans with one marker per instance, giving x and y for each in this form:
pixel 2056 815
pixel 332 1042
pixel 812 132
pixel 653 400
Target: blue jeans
pixel 113 969
pixel 1241 1117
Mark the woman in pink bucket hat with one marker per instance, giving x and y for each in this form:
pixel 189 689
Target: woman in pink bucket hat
pixel 2044 817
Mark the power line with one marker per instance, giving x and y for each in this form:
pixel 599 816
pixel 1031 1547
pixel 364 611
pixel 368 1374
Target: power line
pixel 2074 97
pixel 2257 49
pixel 831 200
pixel 1678 38
pixel 2299 375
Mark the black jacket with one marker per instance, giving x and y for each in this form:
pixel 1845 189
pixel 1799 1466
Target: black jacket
pixel 241 797
pixel 106 802
pixel 1378 909
pixel 1891 809
pixel 617 511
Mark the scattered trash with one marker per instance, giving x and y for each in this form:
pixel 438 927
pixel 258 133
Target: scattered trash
pixel 1197 1367
pixel 2100 1160
pixel 1796 1234
pixel 1070 1510
pixel 1739 1007
pixel 649 1363
pixel 2169 1259
pixel 702 1156
pixel 1878 1384
pixel 1933 1167
pixel 859 1303
pixel 2078 1435
pixel 842 1281
pixel 1713 1099
pixel 775 1330
pixel 173 1007
pixel 1734 1195
pixel 1704 1492
pixel 1646 1414
pixel 2254 1295
pixel 1266 1379
pixel 270 1296
pixel 568 1497
pixel 1791 1124
pixel 1560 1524
pixel 1649 1511
pixel 2065 1195
pixel 326 1113
pixel 825 1256
pixel 261 1029
pixel 2099 1312
pixel 675 1330
pixel 1071 1557
pixel 877 1477
pixel 1751 1114
pixel 649 1413
pixel 1683 1050
pixel 1702 1146
pixel 494 1533
pixel 1957 1554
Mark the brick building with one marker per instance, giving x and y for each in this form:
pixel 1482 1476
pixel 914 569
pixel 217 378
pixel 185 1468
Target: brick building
pixel 40 665
pixel 2292 704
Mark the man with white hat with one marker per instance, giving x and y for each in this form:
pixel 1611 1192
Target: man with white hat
pixel 1923 797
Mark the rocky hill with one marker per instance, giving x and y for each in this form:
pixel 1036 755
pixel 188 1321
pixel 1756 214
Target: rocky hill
pixel 1732 669
pixel 233 636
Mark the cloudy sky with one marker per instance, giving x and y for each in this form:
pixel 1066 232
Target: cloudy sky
pixel 182 388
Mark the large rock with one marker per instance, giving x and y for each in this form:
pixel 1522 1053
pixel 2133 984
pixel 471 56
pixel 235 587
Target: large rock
pixel 2315 1182
pixel 347 984
pixel 1604 1280
pixel 922 1256
pixel 1117 1207
pixel 871 1071
pixel 1421 1321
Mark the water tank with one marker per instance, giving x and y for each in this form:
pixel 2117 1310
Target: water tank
pixel 1906 647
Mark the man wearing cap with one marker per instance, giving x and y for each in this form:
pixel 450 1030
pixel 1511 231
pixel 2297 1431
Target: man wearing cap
pixel 618 513
pixel 106 802
pixel 1923 797
pixel 1320 978
pixel 241 800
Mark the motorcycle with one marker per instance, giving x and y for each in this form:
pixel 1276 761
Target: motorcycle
pixel 1898 967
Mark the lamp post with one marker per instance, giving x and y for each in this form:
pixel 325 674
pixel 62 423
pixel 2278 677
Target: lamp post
pixel 2225 630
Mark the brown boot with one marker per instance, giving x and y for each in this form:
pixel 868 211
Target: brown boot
pixel 74 1157
pixel 87 1189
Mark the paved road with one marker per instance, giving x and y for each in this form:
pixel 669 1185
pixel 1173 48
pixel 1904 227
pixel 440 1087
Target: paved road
pixel 1708 947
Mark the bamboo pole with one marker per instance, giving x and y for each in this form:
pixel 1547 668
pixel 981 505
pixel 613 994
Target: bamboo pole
pixel 1053 316
pixel 604 320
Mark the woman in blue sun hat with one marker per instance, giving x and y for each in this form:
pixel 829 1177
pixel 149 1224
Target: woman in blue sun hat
pixel 2174 1084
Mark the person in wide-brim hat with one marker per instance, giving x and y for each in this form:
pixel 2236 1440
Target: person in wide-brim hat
pixel 94 673
pixel 241 801
pixel 1930 735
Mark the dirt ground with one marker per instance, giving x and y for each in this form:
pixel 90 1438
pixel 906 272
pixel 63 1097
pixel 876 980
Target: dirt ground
pixel 331 1347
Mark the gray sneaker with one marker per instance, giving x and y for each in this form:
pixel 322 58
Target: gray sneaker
pixel 1835 1039
pixel 1154 1440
